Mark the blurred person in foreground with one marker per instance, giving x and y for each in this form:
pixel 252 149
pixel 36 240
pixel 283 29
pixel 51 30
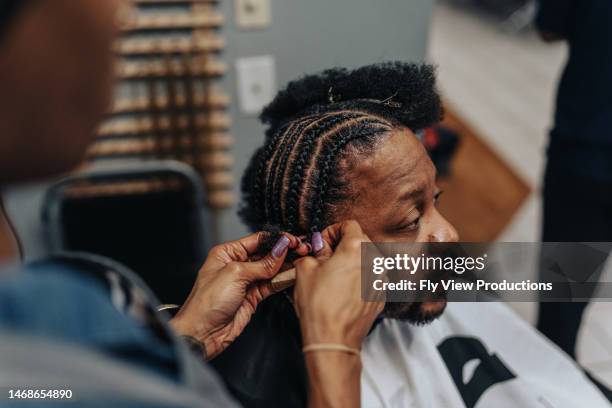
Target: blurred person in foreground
pixel 578 180
pixel 85 324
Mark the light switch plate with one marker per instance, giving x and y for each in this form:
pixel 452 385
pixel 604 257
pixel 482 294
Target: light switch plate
pixel 253 14
pixel 256 77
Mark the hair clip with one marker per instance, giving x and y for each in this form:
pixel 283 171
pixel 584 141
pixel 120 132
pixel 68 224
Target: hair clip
pixel 390 103
pixel 330 95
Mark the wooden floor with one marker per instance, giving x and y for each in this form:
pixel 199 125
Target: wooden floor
pixel 482 194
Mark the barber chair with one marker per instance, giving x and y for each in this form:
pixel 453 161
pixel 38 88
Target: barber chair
pixel 149 216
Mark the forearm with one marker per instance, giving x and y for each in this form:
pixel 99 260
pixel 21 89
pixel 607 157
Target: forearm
pixel 333 379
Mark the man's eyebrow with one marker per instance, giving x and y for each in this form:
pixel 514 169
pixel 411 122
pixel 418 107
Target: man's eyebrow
pixel 409 197
pixel 412 195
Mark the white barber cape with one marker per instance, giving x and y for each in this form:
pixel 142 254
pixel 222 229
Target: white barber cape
pixel 476 355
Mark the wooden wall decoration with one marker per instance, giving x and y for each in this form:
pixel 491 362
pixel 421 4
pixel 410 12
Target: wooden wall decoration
pixel 167 105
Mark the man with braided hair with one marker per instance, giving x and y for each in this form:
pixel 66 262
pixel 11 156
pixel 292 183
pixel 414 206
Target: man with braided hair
pixel 343 145
pixel 302 178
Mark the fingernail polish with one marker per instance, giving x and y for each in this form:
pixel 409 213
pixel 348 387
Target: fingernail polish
pixel 317 242
pixel 280 246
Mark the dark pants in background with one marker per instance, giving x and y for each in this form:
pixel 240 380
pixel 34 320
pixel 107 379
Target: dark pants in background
pixel 576 209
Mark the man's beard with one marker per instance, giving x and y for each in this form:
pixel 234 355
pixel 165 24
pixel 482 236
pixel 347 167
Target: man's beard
pixel 417 313
pixel 424 311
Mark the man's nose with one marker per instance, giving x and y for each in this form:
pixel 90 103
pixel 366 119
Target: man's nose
pixel 443 231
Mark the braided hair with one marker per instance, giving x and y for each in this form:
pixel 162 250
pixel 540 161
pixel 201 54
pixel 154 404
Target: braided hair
pixel 317 127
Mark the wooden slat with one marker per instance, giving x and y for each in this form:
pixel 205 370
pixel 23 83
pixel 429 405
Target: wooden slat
pixel 147 2
pixel 215 100
pixel 216 141
pixel 221 199
pixel 149 145
pixel 211 161
pixel 147 70
pixel 219 180
pixel 216 160
pixel 203 43
pixel 163 123
pixel 219 160
pixel 172 21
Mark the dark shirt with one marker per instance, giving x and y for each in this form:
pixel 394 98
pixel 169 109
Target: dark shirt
pixel 264 367
pixel 581 139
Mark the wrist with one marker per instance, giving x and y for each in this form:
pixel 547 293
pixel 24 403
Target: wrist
pixel 197 347
pixel 318 333
pixel 184 330
pixel 338 359
pixel 186 327
pixel 195 335
pixel 333 379
pixel 182 327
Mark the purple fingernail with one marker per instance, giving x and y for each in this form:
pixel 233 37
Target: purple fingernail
pixel 280 246
pixel 317 242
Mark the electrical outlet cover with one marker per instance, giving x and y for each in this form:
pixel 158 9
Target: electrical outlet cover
pixel 256 78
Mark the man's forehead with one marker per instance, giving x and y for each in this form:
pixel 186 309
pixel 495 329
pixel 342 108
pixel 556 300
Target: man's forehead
pixel 399 169
pixel 397 156
pixel 414 186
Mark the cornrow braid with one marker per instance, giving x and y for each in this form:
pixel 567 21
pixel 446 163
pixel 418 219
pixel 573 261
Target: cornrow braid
pixel 304 157
pixel 258 179
pixel 283 169
pixel 258 182
pixel 291 140
pixel 326 162
pixel 279 137
pixel 315 173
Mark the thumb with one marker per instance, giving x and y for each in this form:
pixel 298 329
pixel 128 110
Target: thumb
pixel 268 266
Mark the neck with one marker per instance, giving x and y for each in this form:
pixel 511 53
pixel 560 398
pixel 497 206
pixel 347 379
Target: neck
pixel 9 250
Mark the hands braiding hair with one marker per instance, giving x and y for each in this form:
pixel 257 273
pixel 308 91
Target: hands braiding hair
pixel 236 277
pixel 334 318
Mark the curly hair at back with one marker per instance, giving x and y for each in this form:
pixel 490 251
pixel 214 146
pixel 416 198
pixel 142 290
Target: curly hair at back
pixel 318 127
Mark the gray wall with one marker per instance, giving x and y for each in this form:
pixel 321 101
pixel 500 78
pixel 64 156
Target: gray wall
pixel 305 36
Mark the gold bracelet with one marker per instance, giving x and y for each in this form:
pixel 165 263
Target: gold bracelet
pixel 161 308
pixel 331 347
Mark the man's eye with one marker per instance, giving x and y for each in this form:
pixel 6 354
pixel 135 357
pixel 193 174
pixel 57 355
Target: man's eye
pixel 412 226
